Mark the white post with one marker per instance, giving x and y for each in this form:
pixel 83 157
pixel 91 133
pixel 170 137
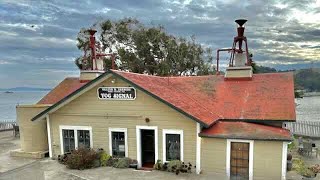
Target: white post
pixel 284 160
pixel 198 152
pixel 49 136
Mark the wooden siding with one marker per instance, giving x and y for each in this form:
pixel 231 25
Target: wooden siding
pixel 213 156
pixel 33 135
pixel 267 161
pixel 88 110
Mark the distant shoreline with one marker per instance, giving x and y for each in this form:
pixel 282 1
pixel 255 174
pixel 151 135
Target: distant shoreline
pixel 310 94
pixel 24 89
pixel 3 91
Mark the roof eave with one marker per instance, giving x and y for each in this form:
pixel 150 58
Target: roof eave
pixel 51 108
pixel 259 120
pixel 162 100
pixel 42 114
pixel 244 137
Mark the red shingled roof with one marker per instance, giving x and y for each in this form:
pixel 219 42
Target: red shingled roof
pixel 245 130
pixel 210 98
pixel 66 87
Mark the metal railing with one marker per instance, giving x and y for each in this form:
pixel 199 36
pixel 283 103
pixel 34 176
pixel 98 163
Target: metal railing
pixel 7 125
pixel 304 128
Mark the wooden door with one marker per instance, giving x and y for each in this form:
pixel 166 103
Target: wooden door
pixel 239 160
pixel 147 148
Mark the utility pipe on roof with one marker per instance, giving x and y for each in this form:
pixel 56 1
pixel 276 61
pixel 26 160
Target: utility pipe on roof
pixel 218 51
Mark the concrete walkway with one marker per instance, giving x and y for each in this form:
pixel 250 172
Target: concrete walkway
pixel 51 170
pixel 46 169
pixel 17 168
pixel 7 143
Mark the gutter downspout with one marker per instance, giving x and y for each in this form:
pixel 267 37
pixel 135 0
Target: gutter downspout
pixel 49 135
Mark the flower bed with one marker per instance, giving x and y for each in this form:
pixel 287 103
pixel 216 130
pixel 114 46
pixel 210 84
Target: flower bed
pixel 84 158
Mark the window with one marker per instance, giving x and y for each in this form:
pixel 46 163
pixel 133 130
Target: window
pixel 68 140
pixel 84 138
pixel 118 142
pixel 172 145
pixel 73 137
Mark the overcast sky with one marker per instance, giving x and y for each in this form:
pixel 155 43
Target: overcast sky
pixel 38 46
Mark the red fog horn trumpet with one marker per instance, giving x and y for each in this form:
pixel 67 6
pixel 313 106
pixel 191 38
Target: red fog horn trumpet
pixel 240 30
pixel 93 48
pixel 95 55
pixel 236 53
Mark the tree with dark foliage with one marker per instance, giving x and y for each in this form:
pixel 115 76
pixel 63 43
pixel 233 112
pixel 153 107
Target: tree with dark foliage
pixel 147 49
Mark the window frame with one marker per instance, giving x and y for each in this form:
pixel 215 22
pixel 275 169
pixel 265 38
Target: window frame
pixel 228 156
pixel 75 129
pixel 164 149
pixel 124 130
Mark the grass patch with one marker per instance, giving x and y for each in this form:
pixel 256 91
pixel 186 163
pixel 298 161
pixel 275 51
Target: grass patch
pixel 292 146
pixel 300 167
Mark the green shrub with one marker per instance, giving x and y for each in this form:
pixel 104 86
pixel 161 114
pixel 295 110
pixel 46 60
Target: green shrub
pixel 174 165
pixel 122 163
pixel 291 146
pixel 158 165
pixel 104 158
pixel 81 158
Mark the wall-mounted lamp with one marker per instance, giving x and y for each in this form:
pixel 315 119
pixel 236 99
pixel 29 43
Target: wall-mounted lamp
pixel 113 81
pixel 147 120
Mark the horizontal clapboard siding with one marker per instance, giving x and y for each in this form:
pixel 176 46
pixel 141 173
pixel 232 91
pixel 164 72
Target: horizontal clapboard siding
pixel 88 110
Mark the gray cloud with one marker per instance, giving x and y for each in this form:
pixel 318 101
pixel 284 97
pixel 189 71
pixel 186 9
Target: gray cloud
pixel 38 37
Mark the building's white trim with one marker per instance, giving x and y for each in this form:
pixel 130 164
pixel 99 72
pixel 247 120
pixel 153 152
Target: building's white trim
pixel 138 136
pixel 75 128
pixel 198 150
pixel 171 131
pixel 49 135
pixel 124 130
pixel 284 160
pixel 251 145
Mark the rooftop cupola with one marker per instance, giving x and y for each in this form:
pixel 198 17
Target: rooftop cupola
pixel 240 59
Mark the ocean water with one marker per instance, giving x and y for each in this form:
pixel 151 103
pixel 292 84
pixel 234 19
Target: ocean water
pixel 8 102
pixel 308 108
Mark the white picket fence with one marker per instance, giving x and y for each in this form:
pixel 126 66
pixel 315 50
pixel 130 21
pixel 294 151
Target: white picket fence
pixel 304 128
pixel 7 125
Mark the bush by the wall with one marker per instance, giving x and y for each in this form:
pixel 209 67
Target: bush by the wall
pixel 104 158
pixel 63 158
pixel 122 163
pixel 158 165
pixel 174 165
pixel 81 158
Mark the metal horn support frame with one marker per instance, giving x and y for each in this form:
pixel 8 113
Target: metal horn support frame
pixel 237 40
pixel 94 55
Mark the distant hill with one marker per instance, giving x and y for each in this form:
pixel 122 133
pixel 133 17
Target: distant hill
pixel 304 79
pixel 308 79
pixel 24 89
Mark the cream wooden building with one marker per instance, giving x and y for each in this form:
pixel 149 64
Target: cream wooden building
pixel 225 127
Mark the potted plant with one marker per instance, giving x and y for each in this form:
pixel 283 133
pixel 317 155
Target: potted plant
pixel 289 162
pixel 133 163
